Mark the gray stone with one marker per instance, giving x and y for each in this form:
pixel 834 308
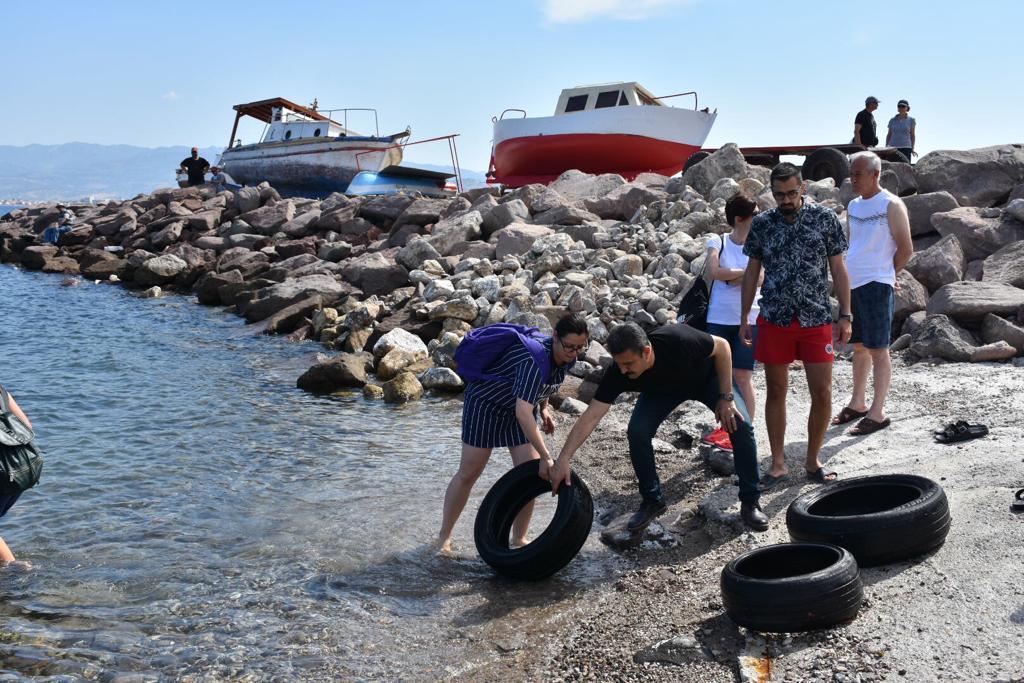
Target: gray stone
pixel 422 211
pixel 572 406
pixel 940 264
pixel 399 360
pixel 905 175
pixel 398 339
pixel 450 231
pixel 167 235
pixel 726 162
pixel 302 225
pixel 628 265
pixel 375 273
pixel 464 308
pixel 575 184
pixel 995 329
pixel 206 288
pixel 623 201
pixel 968 302
pixel 335 218
pixel 518 238
pixel 247 199
pixel 980 235
pixel 159 270
pixel 514 211
pixel 383 210
pixel 546 200
pixel 565 215
pixel 1006 265
pixel 267 220
pixel 272 299
pixel 920 208
pixel 910 297
pixel 292 317
pixel 413 254
pixel 1015 209
pixel 343 370
pixel 442 379
pixel 402 389
pixel 975 177
pixel 940 337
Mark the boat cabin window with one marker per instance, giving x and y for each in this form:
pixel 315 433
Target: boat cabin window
pixel 576 103
pixel 316 133
pixel 287 135
pixel 607 99
pixel 623 102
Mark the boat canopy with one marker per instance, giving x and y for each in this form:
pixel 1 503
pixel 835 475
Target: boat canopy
pixel 264 109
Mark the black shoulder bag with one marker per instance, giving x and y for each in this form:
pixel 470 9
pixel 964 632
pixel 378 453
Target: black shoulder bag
pixel 693 309
pixel 21 463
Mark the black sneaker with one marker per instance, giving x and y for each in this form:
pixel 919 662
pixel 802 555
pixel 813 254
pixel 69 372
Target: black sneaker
pixel 753 516
pixel 645 515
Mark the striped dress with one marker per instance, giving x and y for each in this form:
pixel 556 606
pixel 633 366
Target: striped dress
pixel 489 407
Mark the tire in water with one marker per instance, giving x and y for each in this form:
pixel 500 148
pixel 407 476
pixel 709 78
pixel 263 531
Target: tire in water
pixel 881 519
pixel 552 549
pixel 791 587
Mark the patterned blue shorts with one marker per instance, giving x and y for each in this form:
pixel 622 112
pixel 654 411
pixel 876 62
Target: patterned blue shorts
pixel 873 305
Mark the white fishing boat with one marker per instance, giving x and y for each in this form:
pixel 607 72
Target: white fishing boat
pixel 307 151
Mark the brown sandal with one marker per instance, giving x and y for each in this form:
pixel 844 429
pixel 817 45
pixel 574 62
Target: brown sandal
pixel 847 414
pixel 868 426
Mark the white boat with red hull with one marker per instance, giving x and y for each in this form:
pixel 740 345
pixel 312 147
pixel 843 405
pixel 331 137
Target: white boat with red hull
pixel 610 128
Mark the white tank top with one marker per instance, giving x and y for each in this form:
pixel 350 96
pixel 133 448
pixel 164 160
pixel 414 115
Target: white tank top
pixel 872 247
pixel 726 297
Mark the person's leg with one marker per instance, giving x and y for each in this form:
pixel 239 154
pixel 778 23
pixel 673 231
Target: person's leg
pixel 881 365
pixel 861 368
pixel 879 308
pixel 744 380
pixel 819 382
pixel 744 444
pixel 471 465
pixel 520 454
pixel 648 414
pixel 5 553
pixel 776 377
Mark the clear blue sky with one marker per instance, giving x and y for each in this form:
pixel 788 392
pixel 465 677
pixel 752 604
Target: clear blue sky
pixel 156 74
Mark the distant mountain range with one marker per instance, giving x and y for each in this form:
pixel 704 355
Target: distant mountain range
pixel 79 170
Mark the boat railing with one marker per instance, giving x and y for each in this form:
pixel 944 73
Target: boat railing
pixel 452 150
pixel 681 94
pixel 499 118
pixel 329 113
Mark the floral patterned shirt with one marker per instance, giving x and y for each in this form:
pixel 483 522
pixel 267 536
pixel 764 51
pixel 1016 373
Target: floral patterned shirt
pixel 795 261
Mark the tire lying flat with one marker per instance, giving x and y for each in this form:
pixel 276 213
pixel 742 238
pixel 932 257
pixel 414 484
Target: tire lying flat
pixel 880 519
pixel 791 587
pixel 552 549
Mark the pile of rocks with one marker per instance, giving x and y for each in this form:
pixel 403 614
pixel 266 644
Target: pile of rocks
pixel 393 282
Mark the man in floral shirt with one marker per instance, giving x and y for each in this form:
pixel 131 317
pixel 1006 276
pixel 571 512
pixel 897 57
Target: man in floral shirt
pixel 797 243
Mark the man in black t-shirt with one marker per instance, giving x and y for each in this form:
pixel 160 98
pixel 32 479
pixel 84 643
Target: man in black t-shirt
pixel 864 132
pixel 675 363
pixel 196 167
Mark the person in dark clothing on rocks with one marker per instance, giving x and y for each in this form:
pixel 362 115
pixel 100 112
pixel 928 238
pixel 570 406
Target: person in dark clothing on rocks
pixel 196 167
pixel 864 131
pixel 675 363
pixel 510 413
pixel 7 501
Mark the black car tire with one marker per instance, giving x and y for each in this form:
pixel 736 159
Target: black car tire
pixel 827 162
pixel 695 159
pixel 790 587
pixel 554 547
pixel 881 519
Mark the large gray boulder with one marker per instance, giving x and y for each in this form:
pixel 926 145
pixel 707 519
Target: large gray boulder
pixel 266 220
pixel 413 254
pixel 518 238
pixel 940 337
pixel 422 211
pixel 981 231
pixel 375 273
pixel 398 339
pixel 382 211
pixel 274 298
pixel 336 217
pixel 910 298
pixel 904 174
pixel 302 225
pixel 622 202
pixel 451 231
pixel 403 388
pixel 574 184
pixel 513 211
pixel 247 199
pixel 1006 265
pixel 343 370
pixel 159 270
pixel 565 215
pixel 940 264
pixel 442 379
pixel 968 302
pixel 725 162
pixel 975 177
pixel 920 208
pixel 995 329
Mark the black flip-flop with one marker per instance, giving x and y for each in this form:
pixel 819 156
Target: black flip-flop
pixel 821 475
pixel 961 431
pixel 1018 504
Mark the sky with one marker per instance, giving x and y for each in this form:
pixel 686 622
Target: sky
pixel 778 73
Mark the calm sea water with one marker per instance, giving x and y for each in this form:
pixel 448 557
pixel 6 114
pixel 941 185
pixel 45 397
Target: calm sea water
pixel 200 518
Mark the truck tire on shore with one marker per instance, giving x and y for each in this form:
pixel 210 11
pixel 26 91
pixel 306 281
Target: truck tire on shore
pixel 552 549
pixel 790 587
pixel 695 159
pixel 880 519
pixel 827 162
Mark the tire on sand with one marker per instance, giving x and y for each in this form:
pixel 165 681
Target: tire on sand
pixel 552 549
pixel 792 587
pixel 827 162
pixel 881 519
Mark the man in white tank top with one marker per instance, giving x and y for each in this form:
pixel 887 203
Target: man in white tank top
pixel 880 246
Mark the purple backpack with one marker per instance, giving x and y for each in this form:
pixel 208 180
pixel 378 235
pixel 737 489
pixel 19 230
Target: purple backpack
pixel 484 346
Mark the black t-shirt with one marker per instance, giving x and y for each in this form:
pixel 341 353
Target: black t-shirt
pixel 195 167
pixel 682 366
pixel 868 135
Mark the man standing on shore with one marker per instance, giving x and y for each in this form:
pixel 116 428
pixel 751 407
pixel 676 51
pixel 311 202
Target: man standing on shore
pixel 864 130
pixel 675 363
pixel 797 243
pixel 196 167
pixel 880 245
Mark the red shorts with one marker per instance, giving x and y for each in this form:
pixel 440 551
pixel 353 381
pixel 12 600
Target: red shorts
pixel 777 345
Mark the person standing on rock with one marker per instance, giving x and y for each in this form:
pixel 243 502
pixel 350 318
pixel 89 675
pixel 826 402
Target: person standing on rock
pixel 880 246
pixel 864 130
pixel 902 131
pixel 196 167
pixel 673 364
pixel 505 413
pixel 796 244
pixel 727 262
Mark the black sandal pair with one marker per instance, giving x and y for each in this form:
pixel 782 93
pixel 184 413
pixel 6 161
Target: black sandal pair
pixel 960 430
pixel 1018 504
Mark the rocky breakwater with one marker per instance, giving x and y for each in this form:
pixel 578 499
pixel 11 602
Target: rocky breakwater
pixel 390 284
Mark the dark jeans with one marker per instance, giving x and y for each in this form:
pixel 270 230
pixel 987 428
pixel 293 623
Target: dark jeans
pixel 652 409
pixel 908 152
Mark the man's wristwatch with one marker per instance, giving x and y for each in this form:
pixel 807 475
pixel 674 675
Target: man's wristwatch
pixel 725 397
pixel 846 316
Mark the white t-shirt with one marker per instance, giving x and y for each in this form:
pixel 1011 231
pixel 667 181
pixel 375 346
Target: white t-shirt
pixel 726 297
pixel 872 247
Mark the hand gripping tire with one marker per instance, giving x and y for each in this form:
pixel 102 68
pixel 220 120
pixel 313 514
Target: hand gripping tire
pixel 880 519
pixel 552 549
pixel 792 587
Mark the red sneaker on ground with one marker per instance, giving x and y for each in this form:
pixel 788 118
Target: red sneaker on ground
pixel 719 438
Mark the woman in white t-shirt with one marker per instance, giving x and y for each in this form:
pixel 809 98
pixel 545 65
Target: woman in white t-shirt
pixel 726 263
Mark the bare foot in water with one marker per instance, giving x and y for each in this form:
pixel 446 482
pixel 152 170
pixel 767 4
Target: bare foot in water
pixel 444 548
pixel 18 565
